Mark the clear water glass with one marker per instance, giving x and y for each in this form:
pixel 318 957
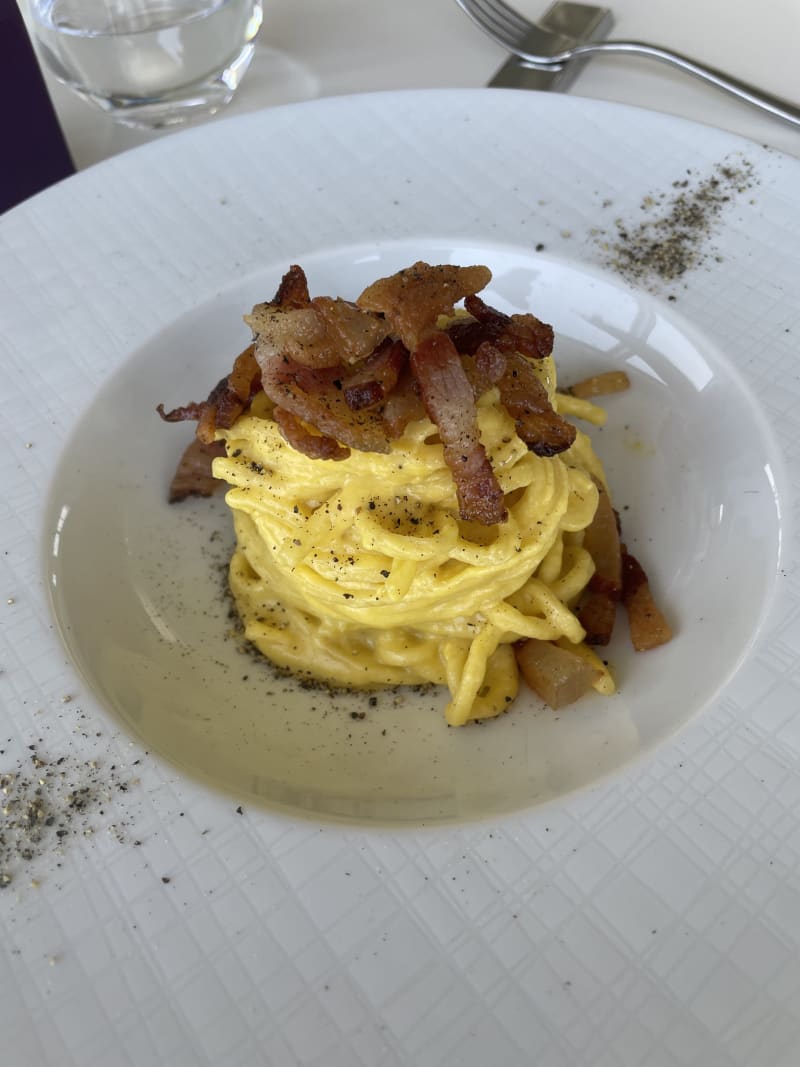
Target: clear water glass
pixel 150 63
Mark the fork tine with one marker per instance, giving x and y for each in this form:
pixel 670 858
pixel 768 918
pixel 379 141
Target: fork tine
pixel 498 19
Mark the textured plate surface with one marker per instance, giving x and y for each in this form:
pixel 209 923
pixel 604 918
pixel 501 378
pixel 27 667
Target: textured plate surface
pixel 653 919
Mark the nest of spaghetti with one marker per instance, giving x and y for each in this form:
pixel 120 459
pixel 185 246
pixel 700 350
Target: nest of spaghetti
pixel 411 501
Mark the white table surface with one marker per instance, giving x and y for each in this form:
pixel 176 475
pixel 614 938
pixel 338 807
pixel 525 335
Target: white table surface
pixel 333 47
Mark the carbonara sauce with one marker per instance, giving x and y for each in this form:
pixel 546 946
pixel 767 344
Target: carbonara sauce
pixel 360 573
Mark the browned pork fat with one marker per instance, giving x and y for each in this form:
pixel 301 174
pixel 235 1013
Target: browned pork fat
pixel 193 476
pixel 555 674
pixel 484 369
pixel 226 401
pixel 403 405
pixel 301 438
pixel 293 289
pixel 376 377
pixel 496 341
pixel 648 625
pixel 316 396
pixel 449 402
pixel 542 429
pixel 327 333
pixel 344 376
pixel 598 609
pixel 509 333
pixel 413 299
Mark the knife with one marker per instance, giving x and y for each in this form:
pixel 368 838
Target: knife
pixel 583 22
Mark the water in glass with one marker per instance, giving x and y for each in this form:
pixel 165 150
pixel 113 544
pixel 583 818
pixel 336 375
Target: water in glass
pixel 149 62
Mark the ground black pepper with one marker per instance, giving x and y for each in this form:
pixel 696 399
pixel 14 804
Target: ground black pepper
pixel 673 236
pixel 44 801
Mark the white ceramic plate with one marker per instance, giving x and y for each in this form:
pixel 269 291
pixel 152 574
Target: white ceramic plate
pixel 126 287
pixel 139 590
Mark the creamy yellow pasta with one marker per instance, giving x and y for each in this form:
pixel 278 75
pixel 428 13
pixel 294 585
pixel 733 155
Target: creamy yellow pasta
pixel 360 573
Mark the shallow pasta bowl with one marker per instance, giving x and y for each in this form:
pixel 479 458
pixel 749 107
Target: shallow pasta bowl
pixel 152 312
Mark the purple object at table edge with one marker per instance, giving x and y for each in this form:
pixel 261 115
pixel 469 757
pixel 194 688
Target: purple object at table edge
pixel 36 153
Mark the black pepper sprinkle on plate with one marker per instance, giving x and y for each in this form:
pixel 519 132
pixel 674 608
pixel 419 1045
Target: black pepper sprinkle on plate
pixel 672 237
pixel 46 801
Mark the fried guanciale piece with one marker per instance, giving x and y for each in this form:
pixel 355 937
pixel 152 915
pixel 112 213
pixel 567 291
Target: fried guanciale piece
pixel 293 289
pixel 598 610
pixel 525 398
pixel 323 332
pixel 317 397
pixel 325 363
pixel 555 674
pixel 597 615
pixel 327 333
pixel 304 440
pixel 449 402
pixel 510 333
pixel 496 342
pixel 413 299
pixel 376 377
pixel 193 476
pixel 226 401
pixel 648 626
pixel 403 405
pixel 344 375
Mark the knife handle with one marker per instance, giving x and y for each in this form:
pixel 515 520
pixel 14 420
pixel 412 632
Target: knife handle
pixel 582 22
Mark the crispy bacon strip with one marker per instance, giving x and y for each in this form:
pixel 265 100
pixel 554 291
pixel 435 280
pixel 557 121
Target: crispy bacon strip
pixel 243 382
pixel 311 380
pixel 190 412
pixel 226 401
pixel 542 429
pixel 193 476
pixel 317 398
pixel 377 376
pixel 413 299
pixel 602 542
pixel 449 402
pixel 325 333
pixel 340 376
pixel 302 347
pixel 484 369
pixel 597 615
pixel 293 289
pixel 301 438
pixel 403 405
pixel 598 611
pixel 509 333
pixel 648 626
pixel 322 332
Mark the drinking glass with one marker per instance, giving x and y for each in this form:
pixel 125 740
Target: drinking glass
pixel 150 63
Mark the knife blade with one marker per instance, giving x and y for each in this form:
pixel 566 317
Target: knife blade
pixel 583 22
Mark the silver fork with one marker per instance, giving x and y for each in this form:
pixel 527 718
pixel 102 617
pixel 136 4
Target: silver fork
pixel 541 49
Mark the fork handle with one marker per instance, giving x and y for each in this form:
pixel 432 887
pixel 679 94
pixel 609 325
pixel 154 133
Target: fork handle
pixel 775 105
